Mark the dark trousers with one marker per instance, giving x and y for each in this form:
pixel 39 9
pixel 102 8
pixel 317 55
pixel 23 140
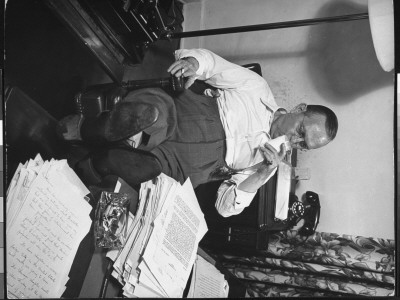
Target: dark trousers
pixel 188 139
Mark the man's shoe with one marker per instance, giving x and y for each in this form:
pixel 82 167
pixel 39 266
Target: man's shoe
pixel 132 165
pixel 126 120
pixel 69 128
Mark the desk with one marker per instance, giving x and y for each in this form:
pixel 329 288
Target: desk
pixel 90 265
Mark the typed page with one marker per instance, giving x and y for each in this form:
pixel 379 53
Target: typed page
pixel 172 249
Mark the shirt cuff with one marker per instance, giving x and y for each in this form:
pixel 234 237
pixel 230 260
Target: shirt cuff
pixel 243 199
pixel 182 53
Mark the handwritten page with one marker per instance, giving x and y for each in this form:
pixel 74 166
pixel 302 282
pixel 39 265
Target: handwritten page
pixel 24 176
pixel 12 187
pixel 49 223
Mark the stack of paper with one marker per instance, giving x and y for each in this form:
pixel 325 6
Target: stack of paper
pixel 163 240
pixel 47 218
pixel 207 281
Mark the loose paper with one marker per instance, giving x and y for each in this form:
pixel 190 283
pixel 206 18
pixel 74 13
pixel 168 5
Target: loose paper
pixel 49 217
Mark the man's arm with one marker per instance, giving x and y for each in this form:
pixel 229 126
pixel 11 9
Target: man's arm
pixel 205 65
pixel 186 67
pixel 237 193
pixel 230 199
pixel 271 161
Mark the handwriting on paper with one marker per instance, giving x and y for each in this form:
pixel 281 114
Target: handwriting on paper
pixel 41 243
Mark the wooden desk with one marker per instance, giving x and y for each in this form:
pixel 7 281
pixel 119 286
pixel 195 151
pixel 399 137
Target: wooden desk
pixel 90 263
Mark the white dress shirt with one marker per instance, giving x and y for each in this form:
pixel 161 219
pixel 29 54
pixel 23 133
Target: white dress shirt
pixel 246 106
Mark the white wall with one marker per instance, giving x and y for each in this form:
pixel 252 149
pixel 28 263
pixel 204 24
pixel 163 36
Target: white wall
pixel 354 175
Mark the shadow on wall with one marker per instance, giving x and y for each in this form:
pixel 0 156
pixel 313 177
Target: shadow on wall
pixel 342 61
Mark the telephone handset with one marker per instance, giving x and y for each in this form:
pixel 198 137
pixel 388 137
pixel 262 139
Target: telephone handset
pixel 308 209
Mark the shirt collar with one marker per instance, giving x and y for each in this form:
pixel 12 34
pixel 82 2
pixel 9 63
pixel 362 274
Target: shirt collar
pixel 276 108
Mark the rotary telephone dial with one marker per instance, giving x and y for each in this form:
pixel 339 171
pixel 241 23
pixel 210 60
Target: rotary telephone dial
pixel 308 209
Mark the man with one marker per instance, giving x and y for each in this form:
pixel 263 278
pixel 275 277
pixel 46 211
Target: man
pixel 226 134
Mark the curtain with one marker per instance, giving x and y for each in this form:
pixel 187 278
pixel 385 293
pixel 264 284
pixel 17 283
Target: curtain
pixel 324 264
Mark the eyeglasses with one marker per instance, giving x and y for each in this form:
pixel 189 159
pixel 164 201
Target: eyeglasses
pixel 301 134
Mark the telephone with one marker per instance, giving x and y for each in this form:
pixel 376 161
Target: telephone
pixel 308 209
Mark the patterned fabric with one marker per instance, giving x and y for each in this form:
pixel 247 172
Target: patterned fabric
pixel 257 290
pixel 324 264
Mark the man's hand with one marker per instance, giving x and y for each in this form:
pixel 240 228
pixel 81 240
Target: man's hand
pixel 271 157
pixel 185 67
pixel 271 160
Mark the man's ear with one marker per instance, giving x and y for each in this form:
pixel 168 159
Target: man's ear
pixel 302 107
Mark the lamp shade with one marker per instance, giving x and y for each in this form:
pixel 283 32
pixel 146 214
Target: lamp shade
pixel 381 19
